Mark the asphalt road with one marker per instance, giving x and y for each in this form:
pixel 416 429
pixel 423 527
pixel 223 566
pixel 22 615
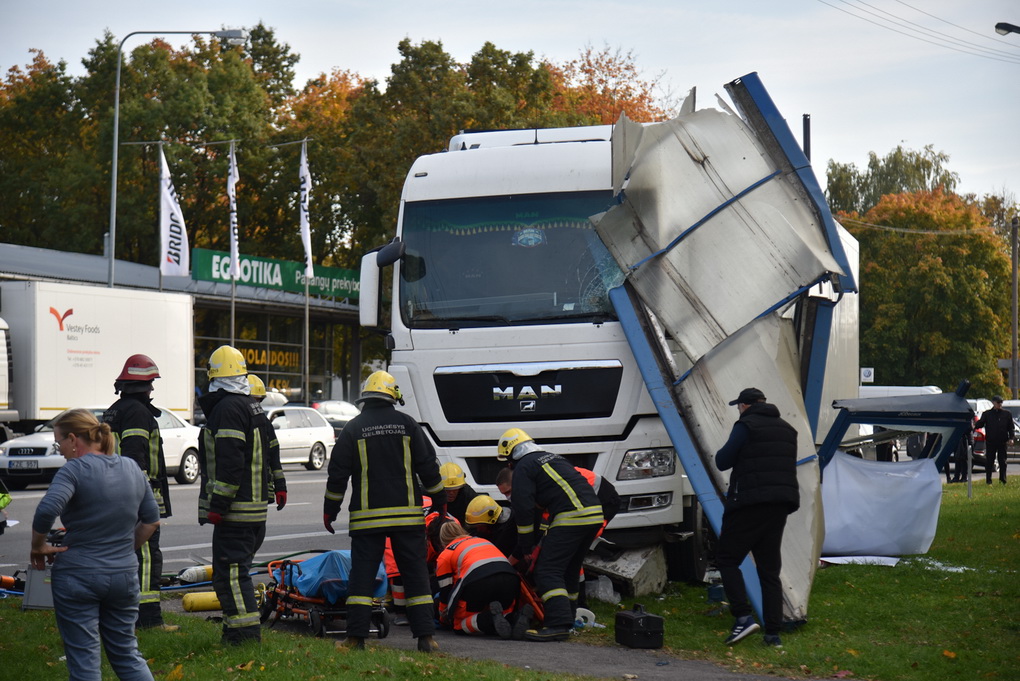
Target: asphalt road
pixel 298 527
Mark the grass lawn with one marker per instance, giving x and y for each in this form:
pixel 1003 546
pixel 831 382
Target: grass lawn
pixel 950 614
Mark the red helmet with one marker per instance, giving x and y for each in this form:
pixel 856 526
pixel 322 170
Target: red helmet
pixel 139 368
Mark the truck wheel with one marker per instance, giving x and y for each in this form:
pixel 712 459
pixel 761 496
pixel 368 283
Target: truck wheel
pixel 317 458
pixel 687 560
pixel 187 472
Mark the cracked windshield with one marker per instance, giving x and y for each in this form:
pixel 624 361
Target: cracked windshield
pixel 506 260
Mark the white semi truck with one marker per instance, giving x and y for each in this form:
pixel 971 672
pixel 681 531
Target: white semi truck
pixel 501 318
pixel 62 345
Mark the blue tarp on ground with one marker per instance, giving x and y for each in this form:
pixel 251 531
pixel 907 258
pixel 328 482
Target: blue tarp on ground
pixel 325 576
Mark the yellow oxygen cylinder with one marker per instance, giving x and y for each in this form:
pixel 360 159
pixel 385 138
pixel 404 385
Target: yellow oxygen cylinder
pixel 201 601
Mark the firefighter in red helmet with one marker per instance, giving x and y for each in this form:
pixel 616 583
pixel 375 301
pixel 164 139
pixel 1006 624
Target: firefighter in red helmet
pixel 132 420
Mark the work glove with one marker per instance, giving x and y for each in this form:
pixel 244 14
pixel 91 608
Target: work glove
pixel 214 518
pixel 281 500
pixel 327 521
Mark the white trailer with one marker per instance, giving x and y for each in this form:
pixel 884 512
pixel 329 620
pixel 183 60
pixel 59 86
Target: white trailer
pixel 64 344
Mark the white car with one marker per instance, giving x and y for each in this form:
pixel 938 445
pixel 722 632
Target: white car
pixel 305 436
pixel 34 458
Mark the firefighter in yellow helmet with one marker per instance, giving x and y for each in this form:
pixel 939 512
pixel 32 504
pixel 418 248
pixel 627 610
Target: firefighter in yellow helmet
pixel 488 519
pixel 458 493
pixel 132 420
pixel 384 454
pixel 235 489
pixel 546 481
pixel 270 444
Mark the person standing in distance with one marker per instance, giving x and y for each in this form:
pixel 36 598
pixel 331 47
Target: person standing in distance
pixel 546 481
pixel 235 490
pixel 388 460
pixel 763 491
pixel 999 430
pixel 132 421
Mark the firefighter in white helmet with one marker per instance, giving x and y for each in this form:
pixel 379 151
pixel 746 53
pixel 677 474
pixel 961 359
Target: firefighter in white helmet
pixel 546 481
pixel 386 457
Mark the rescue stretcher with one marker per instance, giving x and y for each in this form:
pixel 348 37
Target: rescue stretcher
pixel 315 590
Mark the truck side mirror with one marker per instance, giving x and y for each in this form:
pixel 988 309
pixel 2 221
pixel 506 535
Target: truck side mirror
pixel 371 264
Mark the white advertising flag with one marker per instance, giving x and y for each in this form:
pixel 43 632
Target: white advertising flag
pixel 235 261
pixel 306 229
pixel 175 257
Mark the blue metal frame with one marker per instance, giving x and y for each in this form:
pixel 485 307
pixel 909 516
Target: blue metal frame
pixel 936 418
pixel 766 112
pixel 662 397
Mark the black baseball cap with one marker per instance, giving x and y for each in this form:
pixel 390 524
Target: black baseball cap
pixel 749 396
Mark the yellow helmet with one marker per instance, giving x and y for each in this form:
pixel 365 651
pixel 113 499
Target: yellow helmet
pixel 509 440
pixel 258 388
pixel 227 361
pixel 482 509
pixel 381 385
pixel 453 476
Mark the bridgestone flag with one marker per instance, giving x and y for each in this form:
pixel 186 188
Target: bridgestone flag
pixel 174 258
pixel 235 256
pixel 306 229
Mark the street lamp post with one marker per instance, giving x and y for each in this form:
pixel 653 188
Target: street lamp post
pixel 1014 364
pixel 1002 28
pixel 233 37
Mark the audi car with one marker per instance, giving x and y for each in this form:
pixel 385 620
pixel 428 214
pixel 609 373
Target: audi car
pixel 34 458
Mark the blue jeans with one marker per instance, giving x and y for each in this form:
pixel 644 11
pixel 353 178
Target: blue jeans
pixel 90 607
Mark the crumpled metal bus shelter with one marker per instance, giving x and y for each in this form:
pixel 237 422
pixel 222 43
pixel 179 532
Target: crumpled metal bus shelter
pixel 724 233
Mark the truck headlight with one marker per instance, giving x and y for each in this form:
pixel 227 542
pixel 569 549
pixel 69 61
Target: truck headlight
pixel 647 463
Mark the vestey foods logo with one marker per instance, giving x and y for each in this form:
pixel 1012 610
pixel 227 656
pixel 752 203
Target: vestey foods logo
pixel 61 317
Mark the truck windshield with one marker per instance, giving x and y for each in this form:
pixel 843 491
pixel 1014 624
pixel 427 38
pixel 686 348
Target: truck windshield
pixel 497 260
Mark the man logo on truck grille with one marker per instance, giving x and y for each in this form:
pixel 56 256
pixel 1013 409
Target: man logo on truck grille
pixel 527 405
pixel 61 318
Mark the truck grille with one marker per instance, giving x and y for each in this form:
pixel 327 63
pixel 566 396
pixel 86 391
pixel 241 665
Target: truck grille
pixel 520 393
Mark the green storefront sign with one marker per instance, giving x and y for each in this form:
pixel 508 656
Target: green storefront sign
pixel 282 275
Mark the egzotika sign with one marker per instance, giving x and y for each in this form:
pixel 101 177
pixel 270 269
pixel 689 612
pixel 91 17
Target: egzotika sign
pixel 283 275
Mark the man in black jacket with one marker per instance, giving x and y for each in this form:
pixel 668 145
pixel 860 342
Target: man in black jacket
pixel 388 459
pixel 999 430
pixel 132 420
pixel 763 491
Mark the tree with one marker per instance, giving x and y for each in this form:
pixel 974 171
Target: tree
pixel 902 170
pixel 600 85
pixel 935 296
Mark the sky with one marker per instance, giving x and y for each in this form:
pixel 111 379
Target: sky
pixel 872 74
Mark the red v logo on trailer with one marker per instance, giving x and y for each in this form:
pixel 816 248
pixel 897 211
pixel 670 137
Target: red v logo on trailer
pixel 61 318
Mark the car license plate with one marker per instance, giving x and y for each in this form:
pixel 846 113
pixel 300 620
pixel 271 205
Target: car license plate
pixel 23 465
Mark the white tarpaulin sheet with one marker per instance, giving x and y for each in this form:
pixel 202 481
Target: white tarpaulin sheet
pixel 879 507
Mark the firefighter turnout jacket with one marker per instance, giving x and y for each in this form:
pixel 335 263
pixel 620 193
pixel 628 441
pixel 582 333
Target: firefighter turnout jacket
pixel 235 465
pixel 271 445
pixel 381 452
pixel 132 420
pixel 543 480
